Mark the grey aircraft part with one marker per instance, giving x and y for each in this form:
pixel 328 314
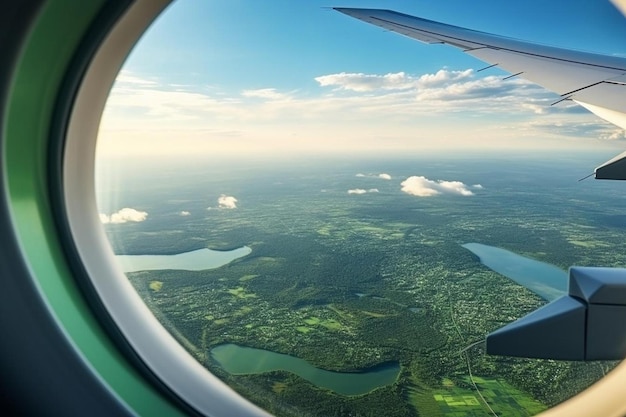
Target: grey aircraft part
pixel 586 324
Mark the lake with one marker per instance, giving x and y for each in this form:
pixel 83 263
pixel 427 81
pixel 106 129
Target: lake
pixel 546 280
pixel 241 360
pixel 196 260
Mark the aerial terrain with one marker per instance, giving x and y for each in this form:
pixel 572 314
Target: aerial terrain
pixel 347 286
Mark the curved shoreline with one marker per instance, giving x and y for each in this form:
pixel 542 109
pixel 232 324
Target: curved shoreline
pixel 196 260
pixel 242 360
pixel 544 279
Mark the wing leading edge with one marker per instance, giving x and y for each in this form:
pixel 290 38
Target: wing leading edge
pixel 596 82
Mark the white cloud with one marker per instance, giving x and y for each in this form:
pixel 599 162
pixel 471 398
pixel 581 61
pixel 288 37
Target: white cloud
pixel 227 202
pixel 123 216
pixel 184 213
pixel 423 187
pixel 366 82
pixel 478 186
pixel 443 76
pixel 419 186
pixel 360 82
pixel 454 187
pixel 382 176
pixel 615 134
pixel 362 191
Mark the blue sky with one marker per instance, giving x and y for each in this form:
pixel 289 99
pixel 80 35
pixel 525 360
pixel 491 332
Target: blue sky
pixel 257 76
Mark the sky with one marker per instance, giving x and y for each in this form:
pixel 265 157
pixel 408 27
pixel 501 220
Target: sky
pixel 250 77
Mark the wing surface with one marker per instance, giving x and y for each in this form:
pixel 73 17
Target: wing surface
pixel 597 82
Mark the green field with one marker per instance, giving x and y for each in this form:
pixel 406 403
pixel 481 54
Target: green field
pixel 501 397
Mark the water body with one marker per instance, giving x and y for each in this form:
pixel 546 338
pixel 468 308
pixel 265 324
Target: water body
pixel 196 260
pixel 241 360
pixel 546 280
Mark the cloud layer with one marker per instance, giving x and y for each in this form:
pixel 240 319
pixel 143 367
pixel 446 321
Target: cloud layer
pixel 443 109
pixel 125 215
pixel 420 186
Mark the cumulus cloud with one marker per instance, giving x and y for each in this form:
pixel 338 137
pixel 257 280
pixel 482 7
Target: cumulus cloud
pixel 366 82
pixel 454 187
pixel 478 186
pixel 360 82
pixel 372 190
pixel 184 213
pixel 420 186
pixel 443 76
pixel 384 176
pixel 125 215
pixel 227 202
pixel 360 175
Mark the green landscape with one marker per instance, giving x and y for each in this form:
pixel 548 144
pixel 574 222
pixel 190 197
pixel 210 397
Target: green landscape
pixel 354 281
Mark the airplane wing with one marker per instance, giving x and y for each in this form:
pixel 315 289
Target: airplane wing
pixel 596 82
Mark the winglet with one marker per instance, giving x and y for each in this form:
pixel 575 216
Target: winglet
pixel 613 169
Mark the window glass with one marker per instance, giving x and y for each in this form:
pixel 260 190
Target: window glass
pixel 316 210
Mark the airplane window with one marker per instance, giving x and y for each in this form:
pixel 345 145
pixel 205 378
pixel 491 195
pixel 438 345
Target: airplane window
pixel 331 219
